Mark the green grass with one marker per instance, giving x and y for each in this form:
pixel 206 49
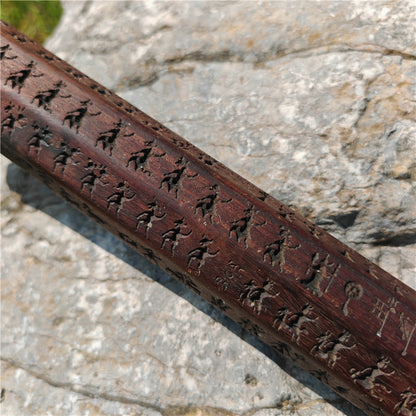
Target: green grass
pixel 36 19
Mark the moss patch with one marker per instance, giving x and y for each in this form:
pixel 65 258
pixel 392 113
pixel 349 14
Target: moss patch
pixel 36 19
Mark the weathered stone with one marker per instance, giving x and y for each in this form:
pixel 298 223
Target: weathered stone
pixel 312 101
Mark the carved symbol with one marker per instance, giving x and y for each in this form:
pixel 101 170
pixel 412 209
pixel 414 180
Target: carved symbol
pixel 367 377
pixel 208 160
pixel 140 158
pixel 276 251
pixel 251 327
pixel 76 116
pixel 353 290
pixel 254 295
pixel 150 255
pixel 66 156
pixel 219 303
pixel 108 138
pixel 185 280
pixel 200 254
pixel 41 136
pixel 407 406
pixel 127 239
pixel 382 310
pixel 329 346
pixel 3 50
pixel 173 235
pixel 407 327
pixel 173 180
pixel 18 78
pixel 206 205
pixel 91 214
pixel 318 272
pixel 14 117
pixel 241 228
pixel 147 217
pixel 94 172
pixel 44 98
pixel 294 322
pixel 118 198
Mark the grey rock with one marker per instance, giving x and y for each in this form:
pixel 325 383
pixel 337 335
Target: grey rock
pixel 312 101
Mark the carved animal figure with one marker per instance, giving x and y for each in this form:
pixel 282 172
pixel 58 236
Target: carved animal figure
pixel 75 117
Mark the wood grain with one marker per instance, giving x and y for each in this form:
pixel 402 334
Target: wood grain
pixel 309 296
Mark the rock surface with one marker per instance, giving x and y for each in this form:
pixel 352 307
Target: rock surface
pixel 312 101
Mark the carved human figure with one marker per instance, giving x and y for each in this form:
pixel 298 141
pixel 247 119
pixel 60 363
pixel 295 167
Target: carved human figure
pixel 173 235
pixel 207 204
pixel 173 180
pixel 318 272
pixel 241 228
pixel 75 117
pixel 18 78
pixel 367 377
pixel 95 172
pixel 254 294
pixel 14 117
pixel 140 159
pixel 407 405
pixel 108 138
pixel 3 51
pixel 198 256
pixel 40 136
pixel 295 322
pixel 122 194
pixel 276 251
pixel 148 217
pixel 65 157
pixel 329 346
pixel 44 98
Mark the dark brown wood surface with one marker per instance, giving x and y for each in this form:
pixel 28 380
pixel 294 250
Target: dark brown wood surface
pixel 336 314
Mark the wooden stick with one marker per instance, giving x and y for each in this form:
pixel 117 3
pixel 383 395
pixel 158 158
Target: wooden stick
pixel 336 314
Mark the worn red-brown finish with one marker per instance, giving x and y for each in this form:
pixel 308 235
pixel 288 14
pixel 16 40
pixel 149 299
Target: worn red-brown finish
pixel 339 316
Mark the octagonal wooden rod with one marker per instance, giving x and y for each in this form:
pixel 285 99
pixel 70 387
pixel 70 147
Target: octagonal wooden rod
pixel 313 299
